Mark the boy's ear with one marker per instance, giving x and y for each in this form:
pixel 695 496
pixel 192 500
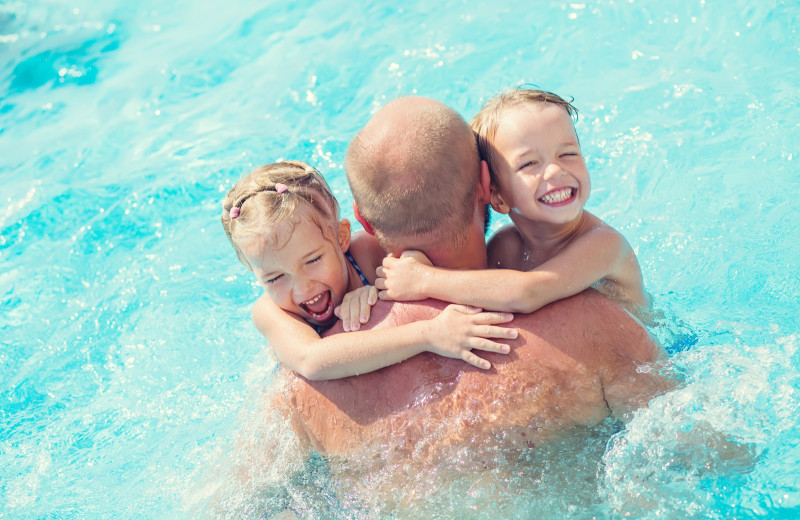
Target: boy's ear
pixel 344 234
pixel 497 202
pixel 360 218
pixel 484 184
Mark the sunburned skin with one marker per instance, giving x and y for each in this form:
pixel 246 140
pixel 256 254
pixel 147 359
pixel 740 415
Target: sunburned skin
pixel 428 407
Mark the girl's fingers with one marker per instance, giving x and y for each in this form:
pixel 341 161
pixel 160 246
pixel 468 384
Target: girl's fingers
pixel 365 307
pixel 490 346
pixel 489 331
pixel 475 361
pixel 490 318
pixel 466 309
pixel 355 307
pixel 373 296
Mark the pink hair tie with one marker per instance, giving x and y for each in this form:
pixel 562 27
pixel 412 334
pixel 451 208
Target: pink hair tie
pixel 234 212
pixel 281 187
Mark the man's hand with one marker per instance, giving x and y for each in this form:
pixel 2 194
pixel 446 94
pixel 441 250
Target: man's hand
pixel 356 307
pixel 459 329
pixel 403 279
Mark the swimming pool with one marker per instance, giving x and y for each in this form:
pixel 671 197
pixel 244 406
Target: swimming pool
pixel 127 358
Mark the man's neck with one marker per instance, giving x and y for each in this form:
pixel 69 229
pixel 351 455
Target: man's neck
pixel 471 255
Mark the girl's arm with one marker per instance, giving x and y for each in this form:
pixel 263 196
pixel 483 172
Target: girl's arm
pixel 595 255
pixel 454 333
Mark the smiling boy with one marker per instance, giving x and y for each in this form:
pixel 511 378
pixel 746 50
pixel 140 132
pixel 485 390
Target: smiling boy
pixel 555 248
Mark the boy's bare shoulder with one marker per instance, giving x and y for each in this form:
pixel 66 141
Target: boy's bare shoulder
pixel 597 230
pixel 504 248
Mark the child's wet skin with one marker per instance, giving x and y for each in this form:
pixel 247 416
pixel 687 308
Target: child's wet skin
pixel 307 275
pixel 541 155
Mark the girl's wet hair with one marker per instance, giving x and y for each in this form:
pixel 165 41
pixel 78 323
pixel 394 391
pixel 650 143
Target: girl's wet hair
pixel 271 196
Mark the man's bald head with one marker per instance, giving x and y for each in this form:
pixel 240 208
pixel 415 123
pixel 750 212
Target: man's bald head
pixel 414 171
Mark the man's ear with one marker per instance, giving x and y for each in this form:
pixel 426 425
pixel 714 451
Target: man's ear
pixel 497 201
pixel 484 184
pixel 360 218
pixel 344 234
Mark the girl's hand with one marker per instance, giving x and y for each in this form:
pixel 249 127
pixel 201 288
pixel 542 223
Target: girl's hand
pixel 402 278
pixel 459 329
pixel 356 307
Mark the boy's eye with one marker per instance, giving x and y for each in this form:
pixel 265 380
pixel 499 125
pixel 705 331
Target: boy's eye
pixel 528 164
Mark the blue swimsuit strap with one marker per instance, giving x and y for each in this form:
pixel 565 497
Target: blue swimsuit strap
pixel 355 265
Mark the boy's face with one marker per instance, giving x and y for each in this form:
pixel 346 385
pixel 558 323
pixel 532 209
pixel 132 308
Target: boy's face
pixel 541 173
pixel 307 275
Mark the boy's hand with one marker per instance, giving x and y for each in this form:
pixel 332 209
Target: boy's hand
pixel 402 278
pixel 356 307
pixel 459 329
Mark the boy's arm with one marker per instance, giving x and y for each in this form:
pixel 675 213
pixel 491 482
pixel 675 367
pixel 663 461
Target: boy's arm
pixel 454 333
pixel 591 257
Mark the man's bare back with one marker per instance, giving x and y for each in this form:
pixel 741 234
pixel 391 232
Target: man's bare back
pixel 557 376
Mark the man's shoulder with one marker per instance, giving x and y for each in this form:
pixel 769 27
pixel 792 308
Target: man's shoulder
pixel 588 310
pixel 588 325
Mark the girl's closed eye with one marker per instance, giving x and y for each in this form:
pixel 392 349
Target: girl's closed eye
pixel 274 279
pixel 315 259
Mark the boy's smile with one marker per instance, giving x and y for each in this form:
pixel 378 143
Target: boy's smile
pixel 307 275
pixel 558 196
pixel 542 176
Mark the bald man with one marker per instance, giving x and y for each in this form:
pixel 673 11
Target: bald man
pixel 418 183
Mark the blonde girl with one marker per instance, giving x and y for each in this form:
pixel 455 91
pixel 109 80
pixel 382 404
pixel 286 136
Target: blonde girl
pixel 283 222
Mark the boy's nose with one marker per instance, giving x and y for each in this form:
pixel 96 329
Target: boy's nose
pixel 552 171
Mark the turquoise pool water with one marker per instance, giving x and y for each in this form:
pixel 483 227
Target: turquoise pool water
pixel 127 359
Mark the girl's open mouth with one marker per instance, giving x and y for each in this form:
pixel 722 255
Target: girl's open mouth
pixel 559 196
pixel 320 307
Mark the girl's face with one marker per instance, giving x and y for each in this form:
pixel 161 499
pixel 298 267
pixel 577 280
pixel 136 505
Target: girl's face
pixel 542 176
pixel 308 274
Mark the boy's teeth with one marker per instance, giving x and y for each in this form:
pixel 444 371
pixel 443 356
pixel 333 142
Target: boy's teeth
pixel 557 196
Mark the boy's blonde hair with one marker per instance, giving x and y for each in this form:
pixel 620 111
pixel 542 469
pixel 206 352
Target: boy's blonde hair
pixel 272 195
pixel 487 120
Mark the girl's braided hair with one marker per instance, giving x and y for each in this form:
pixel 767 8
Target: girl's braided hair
pixel 272 195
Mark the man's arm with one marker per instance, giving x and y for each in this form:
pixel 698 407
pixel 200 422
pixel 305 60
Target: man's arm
pixel 631 359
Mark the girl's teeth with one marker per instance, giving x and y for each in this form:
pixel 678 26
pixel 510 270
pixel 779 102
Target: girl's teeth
pixel 313 300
